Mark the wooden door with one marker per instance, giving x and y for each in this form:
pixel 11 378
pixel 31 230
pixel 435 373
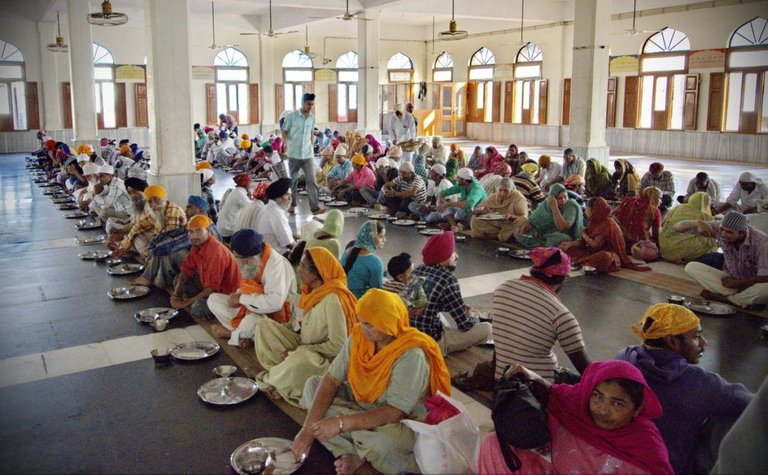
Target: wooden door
pixel 447 109
pixel 750 84
pixel 527 101
pixel 279 101
pixel 141 106
pixel 610 104
pixel 496 113
pixel 66 104
pixel 631 98
pixel 6 113
pixel 33 106
pixel 662 98
pixel 121 108
pixel 566 119
pixel 253 103
pixel 716 98
pixel 210 104
pixel 690 102
pixel 472 102
pixel 333 100
pixel 543 97
pixel 509 95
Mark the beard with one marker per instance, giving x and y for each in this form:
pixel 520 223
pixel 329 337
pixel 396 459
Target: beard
pixel 138 204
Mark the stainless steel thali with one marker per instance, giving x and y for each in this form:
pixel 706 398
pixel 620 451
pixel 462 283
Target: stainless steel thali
pixel 284 462
pixel 148 315
pixel 125 269
pixel 227 391
pixel 127 293
pixel 91 240
pixel 710 308
pixel 94 255
pixel 196 350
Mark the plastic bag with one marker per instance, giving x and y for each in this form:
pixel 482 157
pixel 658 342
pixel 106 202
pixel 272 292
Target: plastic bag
pixel 448 447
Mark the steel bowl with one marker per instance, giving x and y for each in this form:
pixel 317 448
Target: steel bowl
pixel 161 355
pixel 252 460
pixel 224 371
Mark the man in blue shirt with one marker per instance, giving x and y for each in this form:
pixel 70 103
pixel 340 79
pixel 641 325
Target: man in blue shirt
pixel 298 133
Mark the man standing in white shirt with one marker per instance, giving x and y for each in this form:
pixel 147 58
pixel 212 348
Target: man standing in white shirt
pixel 402 131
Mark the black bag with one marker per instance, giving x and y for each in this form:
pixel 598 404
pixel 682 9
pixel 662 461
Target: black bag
pixel 519 419
pixel 167 243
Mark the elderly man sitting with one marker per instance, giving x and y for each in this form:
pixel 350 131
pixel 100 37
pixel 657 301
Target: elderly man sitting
pixel 398 194
pixel 661 179
pixel 110 198
pixel 462 328
pixel 458 214
pixel 272 221
pixel 699 405
pixel 160 216
pixel 117 228
pixel 210 267
pixel 267 290
pixel 744 278
pixel 750 195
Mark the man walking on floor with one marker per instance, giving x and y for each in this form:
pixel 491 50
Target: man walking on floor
pixel 297 129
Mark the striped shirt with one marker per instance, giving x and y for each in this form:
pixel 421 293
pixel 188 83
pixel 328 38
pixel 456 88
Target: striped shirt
pixel 399 184
pixel 528 319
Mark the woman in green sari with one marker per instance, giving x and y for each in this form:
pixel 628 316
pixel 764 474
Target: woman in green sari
pixel 554 221
pixel 598 180
pixel 686 247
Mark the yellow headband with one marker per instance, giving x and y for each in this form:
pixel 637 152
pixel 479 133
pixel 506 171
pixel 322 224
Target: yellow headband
pixel 668 320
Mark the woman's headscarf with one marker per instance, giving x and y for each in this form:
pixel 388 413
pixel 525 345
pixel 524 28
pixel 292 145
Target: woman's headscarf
pixel 373 142
pixel 420 166
pixel 334 282
pixel 491 159
pixel 638 443
pixel 626 173
pixel 334 223
pixel 365 238
pixel 369 371
pixel 635 212
pixel 277 144
pixel 602 224
pixel 700 202
pixel 598 179
pixel 502 169
pixel 541 217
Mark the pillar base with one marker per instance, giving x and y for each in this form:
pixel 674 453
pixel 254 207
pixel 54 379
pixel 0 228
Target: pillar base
pixel 178 185
pixel 602 154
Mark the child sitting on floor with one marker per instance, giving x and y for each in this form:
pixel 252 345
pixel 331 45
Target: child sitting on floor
pixel 410 289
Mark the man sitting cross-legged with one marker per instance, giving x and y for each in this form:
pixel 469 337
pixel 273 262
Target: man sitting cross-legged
pixel 210 267
pixel 267 289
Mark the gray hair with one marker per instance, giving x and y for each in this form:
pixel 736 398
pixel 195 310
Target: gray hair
pixel 507 183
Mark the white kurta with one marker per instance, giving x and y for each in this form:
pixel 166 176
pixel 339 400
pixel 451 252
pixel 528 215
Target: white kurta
pixel 279 281
pixel 230 209
pixel 116 197
pixel 272 223
pixel 741 200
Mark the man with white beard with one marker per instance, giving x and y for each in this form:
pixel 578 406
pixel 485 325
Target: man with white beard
pixel 110 198
pixel 267 290
pixel 161 216
pixel 272 222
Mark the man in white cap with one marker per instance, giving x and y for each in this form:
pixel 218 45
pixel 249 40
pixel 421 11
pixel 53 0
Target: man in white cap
pixel 110 197
pixel 750 195
pixel 85 195
pixel 386 171
pixel 458 214
pixel 399 193
pixel 436 184
pixel 744 278
pixel 402 131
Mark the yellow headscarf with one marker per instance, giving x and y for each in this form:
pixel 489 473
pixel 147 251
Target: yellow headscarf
pixel 199 221
pixel 154 191
pixel 358 160
pixel 334 282
pixel 668 319
pixel 369 372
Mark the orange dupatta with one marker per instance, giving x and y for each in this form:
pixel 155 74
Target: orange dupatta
pixel 255 286
pixel 369 371
pixel 334 282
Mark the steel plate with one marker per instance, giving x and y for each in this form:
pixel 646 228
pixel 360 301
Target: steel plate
pixel 491 217
pixel 228 391
pixel 430 231
pixel 125 269
pixel 94 255
pixel 710 308
pixel 403 222
pixel 196 350
pixel 91 240
pixel 519 254
pixel 284 463
pixel 148 314
pixel 127 293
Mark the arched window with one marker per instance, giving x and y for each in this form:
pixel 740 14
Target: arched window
pixel 528 101
pixel 746 103
pixel 664 84
pixel 231 75
pixel 442 70
pixel 298 74
pixel 346 88
pixel 104 86
pixel 13 100
pixel 400 68
pixel 483 97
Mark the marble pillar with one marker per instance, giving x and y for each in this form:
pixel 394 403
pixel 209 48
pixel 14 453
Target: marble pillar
pixel 591 39
pixel 81 73
pixel 368 79
pixel 169 99
pixel 50 87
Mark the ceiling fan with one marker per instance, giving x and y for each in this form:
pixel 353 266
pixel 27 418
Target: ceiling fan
pixel 633 30
pixel 213 30
pixel 271 33
pixel 453 33
pixel 309 53
pixel 351 16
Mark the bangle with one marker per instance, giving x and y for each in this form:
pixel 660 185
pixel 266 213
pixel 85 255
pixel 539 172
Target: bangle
pixel 341 424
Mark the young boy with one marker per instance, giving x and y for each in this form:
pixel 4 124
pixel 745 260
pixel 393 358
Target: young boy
pixel 411 290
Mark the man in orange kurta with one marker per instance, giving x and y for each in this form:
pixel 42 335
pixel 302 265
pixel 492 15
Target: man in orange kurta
pixel 210 267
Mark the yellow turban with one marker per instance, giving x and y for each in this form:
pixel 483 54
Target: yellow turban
pixel 245 144
pixel 358 160
pixel 203 165
pixel 154 191
pixel 84 149
pixel 199 221
pixel 530 168
pixel 664 319
pixel 369 371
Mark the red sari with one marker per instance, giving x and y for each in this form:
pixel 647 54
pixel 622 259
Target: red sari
pixel 611 255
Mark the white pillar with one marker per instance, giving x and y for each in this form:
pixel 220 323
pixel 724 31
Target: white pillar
pixel 81 73
pixel 169 98
pixel 591 31
pixel 267 84
pixel 49 84
pixel 368 80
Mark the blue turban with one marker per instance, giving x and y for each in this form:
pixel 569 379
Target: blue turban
pixel 198 201
pixel 247 243
pixel 223 134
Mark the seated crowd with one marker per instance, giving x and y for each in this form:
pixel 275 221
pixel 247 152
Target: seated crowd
pixel 362 352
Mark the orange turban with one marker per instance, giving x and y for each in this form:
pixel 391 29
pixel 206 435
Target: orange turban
pixel 154 191
pixel 358 160
pixel 199 221
pixel 86 149
pixel 125 149
pixel 369 371
pixel 202 165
